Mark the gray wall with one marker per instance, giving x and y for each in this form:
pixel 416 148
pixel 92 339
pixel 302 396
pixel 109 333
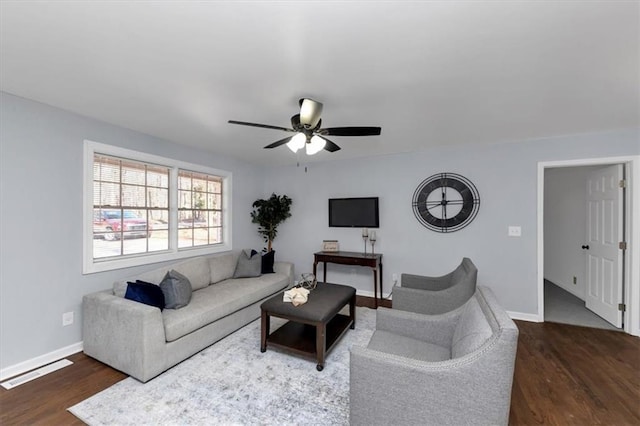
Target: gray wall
pixel 506 177
pixel 41 220
pixel 565 227
pixel 41 212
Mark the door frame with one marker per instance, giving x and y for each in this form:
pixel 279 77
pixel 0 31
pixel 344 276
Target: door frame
pixel 631 286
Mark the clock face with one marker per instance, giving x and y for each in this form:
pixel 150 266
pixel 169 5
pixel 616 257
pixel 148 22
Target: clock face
pixel 446 202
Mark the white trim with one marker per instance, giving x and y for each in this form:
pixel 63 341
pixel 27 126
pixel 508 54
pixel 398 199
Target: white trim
pixel 367 293
pixel 90 266
pixel 39 361
pixel 523 317
pixel 632 235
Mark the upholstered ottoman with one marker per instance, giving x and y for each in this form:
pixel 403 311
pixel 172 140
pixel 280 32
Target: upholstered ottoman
pixel 314 327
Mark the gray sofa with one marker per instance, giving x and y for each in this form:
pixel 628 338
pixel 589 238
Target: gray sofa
pixel 450 369
pixel 142 341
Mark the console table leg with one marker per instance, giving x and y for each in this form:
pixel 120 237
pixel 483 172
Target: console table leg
pixel 375 287
pixel 381 275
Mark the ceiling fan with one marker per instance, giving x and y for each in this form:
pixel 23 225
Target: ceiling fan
pixel 308 132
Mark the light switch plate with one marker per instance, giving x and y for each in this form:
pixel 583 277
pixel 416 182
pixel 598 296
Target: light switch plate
pixel 515 231
pixel 67 318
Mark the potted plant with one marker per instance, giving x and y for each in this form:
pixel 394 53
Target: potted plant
pixel 270 213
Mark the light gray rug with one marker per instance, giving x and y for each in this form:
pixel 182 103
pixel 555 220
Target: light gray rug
pixel 232 382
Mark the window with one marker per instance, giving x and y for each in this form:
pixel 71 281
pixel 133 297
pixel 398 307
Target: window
pixel 199 209
pixel 142 209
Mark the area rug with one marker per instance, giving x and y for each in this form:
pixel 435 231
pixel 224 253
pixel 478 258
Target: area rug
pixel 232 382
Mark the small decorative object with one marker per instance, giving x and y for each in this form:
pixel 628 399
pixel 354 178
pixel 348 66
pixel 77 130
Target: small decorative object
pixel 308 281
pixel 446 202
pixel 297 296
pixel 373 238
pixel 269 214
pixel 330 245
pixel 365 236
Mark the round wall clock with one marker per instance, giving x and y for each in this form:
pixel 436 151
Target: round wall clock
pixel 446 202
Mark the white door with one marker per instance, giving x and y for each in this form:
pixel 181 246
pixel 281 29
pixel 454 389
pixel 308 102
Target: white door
pixel 604 233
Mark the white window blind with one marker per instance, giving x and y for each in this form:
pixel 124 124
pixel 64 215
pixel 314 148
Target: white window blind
pixel 140 209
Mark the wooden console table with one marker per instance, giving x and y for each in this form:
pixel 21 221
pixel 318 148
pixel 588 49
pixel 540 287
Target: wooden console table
pixel 352 258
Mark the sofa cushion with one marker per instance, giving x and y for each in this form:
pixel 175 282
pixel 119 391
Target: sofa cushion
pixel 249 264
pixel 176 289
pixel 154 277
pixel 147 293
pixel 197 270
pixel 216 301
pixel 222 267
pixel 396 344
pixel 267 262
pixel 472 330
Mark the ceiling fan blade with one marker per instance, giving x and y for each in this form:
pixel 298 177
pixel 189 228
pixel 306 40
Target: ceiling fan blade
pixel 330 146
pixel 278 143
pixel 265 126
pixel 351 131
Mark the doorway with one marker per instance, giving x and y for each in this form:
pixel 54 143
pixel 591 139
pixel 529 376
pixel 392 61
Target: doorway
pixel 563 251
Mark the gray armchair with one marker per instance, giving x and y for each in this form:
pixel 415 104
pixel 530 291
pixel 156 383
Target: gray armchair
pixel 450 369
pixel 436 295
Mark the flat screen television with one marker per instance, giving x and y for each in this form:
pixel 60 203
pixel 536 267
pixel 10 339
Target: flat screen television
pixel 354 212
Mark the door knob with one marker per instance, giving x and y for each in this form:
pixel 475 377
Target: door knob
pixel 585 247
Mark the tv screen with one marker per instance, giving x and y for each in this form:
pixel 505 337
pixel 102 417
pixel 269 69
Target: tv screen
pixel 354 212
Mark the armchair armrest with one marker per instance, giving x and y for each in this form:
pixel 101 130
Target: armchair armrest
pixel 436 329
pixel 123 333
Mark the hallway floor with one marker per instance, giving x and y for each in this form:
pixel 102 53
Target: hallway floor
pixel 563 307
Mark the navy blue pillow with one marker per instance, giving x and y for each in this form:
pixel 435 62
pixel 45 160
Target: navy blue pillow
pixel 147 293
pixel 267 262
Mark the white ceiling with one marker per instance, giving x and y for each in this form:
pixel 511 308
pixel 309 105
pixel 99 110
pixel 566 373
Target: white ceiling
pixel 429 73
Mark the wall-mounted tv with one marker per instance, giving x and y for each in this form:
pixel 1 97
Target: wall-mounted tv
pixel 354 212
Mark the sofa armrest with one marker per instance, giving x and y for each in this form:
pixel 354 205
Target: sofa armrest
pixel 285 268
pixel 124 334
pixel 436 329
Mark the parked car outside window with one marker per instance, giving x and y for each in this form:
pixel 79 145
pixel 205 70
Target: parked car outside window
pixel 116 224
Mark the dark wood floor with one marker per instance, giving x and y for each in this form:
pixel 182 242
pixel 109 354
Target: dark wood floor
pixel 565 375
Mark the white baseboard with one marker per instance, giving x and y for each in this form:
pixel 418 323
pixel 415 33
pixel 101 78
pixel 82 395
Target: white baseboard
pixel 37 362
pixel 367 293
pixel 524 317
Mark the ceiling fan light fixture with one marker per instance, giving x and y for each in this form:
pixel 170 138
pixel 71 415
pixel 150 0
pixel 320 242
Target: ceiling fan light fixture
pixel 315 145
pixel 310 112
pixel 297 142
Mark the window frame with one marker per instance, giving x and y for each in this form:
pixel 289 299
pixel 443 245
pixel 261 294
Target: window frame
pixel 91 265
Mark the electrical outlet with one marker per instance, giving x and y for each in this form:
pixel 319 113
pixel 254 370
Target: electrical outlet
pixel 67 318
pixel 575 280
pixel 514 231
pixel 394 278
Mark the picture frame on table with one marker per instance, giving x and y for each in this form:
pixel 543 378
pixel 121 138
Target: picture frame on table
pixel 330 245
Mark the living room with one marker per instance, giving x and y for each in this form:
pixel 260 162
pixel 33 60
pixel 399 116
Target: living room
pixel 501 137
